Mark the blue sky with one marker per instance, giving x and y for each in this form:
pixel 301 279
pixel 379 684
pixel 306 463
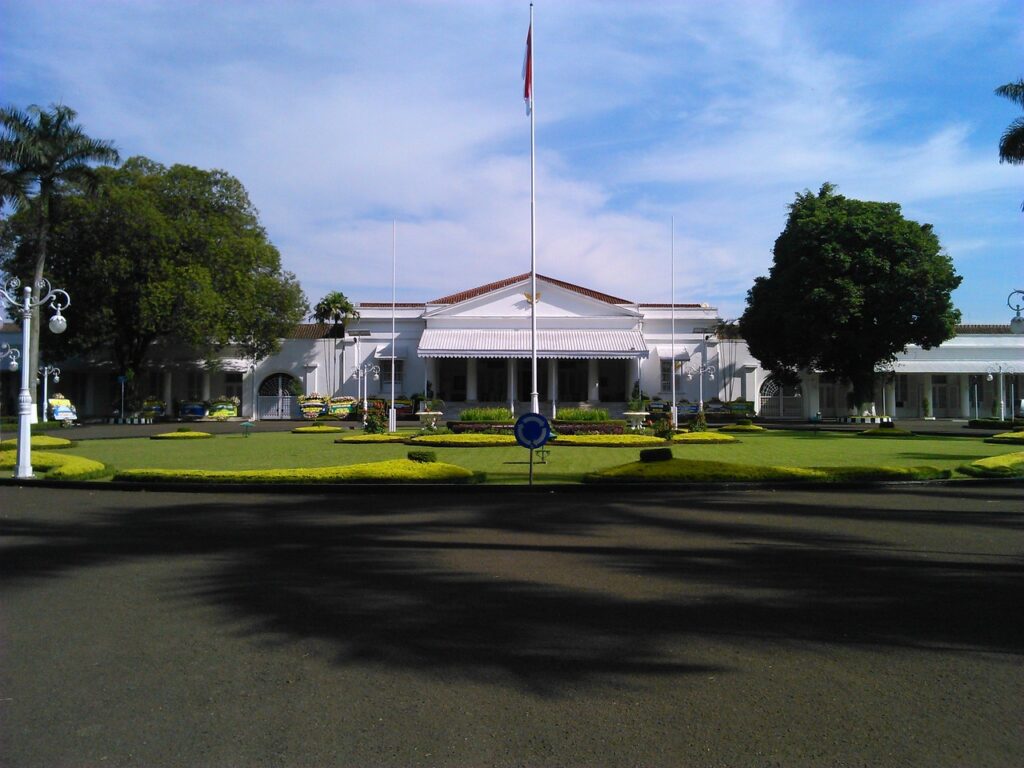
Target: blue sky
pixel 339 117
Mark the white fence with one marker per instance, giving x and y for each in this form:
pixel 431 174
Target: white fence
pixel 278 407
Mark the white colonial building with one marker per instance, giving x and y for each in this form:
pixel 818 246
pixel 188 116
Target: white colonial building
pixel 474 347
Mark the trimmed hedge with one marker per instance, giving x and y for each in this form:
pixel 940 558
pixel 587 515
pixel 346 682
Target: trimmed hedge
pixel 486 414
pixel 694 471
pixel 1008 438
pixel 425 457
pixel 607 441
pixel 363 437
pixel 58 466
pixel 181 435
pixel 700 438
pixel 393 471
pixel 480 427
pixel 994 423
pixel 317 429
pixel 613 427
pixel 885 432
pixel 42 442
pixel 656 454
pixel 1007 465
pixel 463 440
pixel 748 428
pixel 582 414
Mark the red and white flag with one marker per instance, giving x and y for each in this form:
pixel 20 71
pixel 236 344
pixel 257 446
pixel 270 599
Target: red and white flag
pixel 528 71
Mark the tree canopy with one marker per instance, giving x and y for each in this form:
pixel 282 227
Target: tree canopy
pixel 1011 143
pixel 852 284
pixel 163 254
pixel 43 152
pixel 336 309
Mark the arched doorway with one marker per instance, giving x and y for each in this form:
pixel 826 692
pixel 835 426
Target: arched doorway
pixel 781 402
pixel 277 397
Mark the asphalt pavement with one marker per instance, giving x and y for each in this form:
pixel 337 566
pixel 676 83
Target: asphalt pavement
pixel 498 627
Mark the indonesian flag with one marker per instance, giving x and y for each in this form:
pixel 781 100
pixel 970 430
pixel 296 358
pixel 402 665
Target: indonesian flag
pixel 528 72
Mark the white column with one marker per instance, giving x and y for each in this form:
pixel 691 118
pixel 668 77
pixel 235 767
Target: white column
pixel 889 397
pixel 926 391
pixel 965 395
pixel 168 390
pixel 553 385
pixel 812 400
pixel 206 385
pixel 593 395
pixel 471 392
pixel 512 384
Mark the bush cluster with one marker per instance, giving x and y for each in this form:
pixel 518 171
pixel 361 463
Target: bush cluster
pixel 480 427
pixel 38 442
pixel 702 438
pixel 608 441
pixel 1006 465
pixel 588 427
pixel 487 415
pixel 317 429
pixel 58 466
pixel 425 457
pixel 582 414
pixel 393 471
pixel 182 434
pixel 656 454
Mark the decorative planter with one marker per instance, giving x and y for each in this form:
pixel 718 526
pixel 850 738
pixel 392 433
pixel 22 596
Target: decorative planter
pixel 636 419
pixel 428 419
pixel 192 409
pixel 220 409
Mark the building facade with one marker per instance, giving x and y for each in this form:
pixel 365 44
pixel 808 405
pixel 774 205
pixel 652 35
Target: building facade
pixel 473 347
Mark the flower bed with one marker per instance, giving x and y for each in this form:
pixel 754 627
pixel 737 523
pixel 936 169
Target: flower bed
pixel 608 427
pixel 480 427
pixel 393 471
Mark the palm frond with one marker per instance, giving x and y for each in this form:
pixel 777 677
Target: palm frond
pixel 1012 91
pixel 1011 145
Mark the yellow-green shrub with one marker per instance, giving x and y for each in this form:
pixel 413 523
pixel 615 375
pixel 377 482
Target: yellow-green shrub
pixel 465 440
pixel 190 435
pixel 363 437
pixel 41 442
pixel 1011 438
pixel 1007 465
pixel 741 428
pixel 57 466
pixel 316 429
pixel 702 438
pixel 393 471
pixel 609 441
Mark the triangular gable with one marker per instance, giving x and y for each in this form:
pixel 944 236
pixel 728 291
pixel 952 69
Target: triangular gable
pixel 510 299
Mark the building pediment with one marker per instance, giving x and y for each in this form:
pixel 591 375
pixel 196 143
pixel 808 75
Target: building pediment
pixel 511 300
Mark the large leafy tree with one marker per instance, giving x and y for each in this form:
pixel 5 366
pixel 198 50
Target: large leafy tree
pixel 1011 144
pixel 852 284
pixel 43 153
pixel 166 255
pixel 336 309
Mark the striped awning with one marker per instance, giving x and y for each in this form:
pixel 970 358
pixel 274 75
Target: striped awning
pixel 461 342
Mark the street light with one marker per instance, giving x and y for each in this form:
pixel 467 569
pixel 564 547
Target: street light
pixel 46 372
pixel 1017 322
pixel 692 369
pixel 58 300
pixel 6 350
pixel 363 374
pixel 998 369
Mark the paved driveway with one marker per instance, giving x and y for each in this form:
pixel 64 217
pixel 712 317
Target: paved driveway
pixel 499 627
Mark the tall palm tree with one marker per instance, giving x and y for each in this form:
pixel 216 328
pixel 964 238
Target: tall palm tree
pixel 1011 145
pixel 42 152
pixel 336 309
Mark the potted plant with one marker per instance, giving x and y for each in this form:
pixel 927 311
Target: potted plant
pixel 224 407
pixel 153 407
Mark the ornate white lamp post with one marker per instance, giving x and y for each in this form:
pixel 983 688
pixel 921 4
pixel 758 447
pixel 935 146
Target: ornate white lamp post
pixel 47 371
pixel 1016 304
pixel 998 369
pixel 363 374
pixel 58 300
pixel 693 369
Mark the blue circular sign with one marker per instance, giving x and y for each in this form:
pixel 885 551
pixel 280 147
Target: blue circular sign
pixel 532 430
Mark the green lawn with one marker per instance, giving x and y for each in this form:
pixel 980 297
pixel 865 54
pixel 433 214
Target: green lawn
pixel 511 464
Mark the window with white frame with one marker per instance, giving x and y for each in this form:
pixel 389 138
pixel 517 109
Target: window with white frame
pixel 666 375
pixel 385 375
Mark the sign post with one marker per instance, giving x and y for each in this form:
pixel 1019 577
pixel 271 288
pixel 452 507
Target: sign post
pixel 532 431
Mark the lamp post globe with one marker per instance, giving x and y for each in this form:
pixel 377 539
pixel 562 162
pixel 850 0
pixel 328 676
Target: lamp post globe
pixel 1016 304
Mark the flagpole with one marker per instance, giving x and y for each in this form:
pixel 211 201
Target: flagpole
pixel 675 409
pixel 392 416
pixel 534 395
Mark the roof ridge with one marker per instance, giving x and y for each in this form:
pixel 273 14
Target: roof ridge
pixel 480 290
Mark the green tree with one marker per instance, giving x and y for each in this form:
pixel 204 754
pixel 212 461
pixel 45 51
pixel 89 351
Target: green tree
pixel 43 153
pixel 852 284
pixel 166 256
pixel 1011 144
